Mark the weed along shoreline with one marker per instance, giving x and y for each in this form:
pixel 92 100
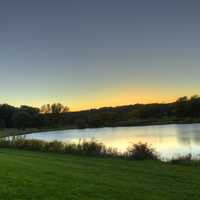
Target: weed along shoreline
pixel 138 151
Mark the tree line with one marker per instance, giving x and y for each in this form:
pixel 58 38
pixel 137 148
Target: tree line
pixel 59 116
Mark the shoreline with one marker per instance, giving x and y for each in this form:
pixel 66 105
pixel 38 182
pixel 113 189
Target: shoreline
pixel 17 132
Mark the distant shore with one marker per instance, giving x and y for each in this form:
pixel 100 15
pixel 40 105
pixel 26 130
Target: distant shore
pixel 15 132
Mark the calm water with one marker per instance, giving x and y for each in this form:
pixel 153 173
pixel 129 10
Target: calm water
pixel 169 140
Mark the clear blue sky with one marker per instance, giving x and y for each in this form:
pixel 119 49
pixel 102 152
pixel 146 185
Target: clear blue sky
pixel 91 53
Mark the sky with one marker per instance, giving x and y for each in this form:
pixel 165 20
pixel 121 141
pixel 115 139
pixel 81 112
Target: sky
pixel 94 53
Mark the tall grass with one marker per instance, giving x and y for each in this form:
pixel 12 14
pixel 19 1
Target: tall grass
pixel 140 151
pixel 91 147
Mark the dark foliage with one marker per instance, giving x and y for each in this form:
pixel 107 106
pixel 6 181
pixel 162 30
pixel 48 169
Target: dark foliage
pixel 22 119
pixel 91 147
pixel 142 151
pixel 56 115
pixel 187 159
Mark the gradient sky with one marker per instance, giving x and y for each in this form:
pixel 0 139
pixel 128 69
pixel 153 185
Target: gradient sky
pixel 92 53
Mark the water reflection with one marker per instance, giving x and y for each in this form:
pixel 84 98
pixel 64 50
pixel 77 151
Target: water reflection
pixel 168 140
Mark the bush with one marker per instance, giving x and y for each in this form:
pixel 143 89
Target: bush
pixel 92 147
pixel 187 159
pixel 71 148
pixel 54 146
pixel 141 151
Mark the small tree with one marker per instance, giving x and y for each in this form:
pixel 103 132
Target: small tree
pixel 54 108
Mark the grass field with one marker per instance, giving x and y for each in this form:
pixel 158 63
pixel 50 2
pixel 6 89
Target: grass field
pixel 34 175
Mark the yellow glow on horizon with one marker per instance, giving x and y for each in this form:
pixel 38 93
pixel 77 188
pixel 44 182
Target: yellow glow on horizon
pixel 101 102
pixel 118 102
pixel 119 99
pixel 109 97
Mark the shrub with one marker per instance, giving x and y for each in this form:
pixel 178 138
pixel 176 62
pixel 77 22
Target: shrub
pixel 54 146
pixel 187 159
pixel 71 148
pixel 92 147
pixel 141 151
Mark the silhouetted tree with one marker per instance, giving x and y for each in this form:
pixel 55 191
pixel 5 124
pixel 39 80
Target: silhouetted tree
pixel 54 108
pixel 6 113
pixel 29 109
pixel 181 106
pixel 2 123
pixel 46 108
pixel 22 119
pixel 58 115
pixel 194 106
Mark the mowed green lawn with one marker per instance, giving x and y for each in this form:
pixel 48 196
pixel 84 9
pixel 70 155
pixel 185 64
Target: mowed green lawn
pixel 32 175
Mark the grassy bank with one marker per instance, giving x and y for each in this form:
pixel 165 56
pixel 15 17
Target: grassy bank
pixel 35 175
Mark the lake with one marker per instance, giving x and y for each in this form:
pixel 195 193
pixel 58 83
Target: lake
pixel 168 140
